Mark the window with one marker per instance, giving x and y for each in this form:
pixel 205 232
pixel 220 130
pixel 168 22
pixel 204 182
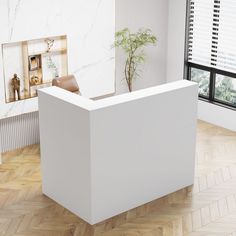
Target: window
pixel 225 89
pixel 202 77
pixel 212 49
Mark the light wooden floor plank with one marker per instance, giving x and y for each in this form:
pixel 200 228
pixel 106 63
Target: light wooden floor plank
pixel 206 209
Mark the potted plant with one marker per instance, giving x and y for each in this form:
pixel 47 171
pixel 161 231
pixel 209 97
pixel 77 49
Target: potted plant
pixel 133 45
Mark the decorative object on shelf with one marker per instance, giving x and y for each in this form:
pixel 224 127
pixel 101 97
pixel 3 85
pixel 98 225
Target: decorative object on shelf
pixel 49 43
pixel 52 66
pixel 35 80
pixel 133 45
pixel 15 83
pixel 36 62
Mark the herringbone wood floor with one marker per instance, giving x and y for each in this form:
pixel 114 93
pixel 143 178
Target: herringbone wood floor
pixel 206 209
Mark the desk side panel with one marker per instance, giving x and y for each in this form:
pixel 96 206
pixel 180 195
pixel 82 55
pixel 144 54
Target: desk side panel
pixel 65 153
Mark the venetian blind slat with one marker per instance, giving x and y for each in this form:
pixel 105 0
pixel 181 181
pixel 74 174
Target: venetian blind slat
pixel 212 34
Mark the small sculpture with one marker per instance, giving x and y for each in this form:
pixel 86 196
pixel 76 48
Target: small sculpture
pixel 15 83
pixel 49 43
pixel 34 80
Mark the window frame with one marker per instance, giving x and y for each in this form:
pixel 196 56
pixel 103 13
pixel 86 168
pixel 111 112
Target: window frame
pixel 213 73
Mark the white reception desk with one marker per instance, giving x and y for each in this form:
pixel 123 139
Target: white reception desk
pixel 101 158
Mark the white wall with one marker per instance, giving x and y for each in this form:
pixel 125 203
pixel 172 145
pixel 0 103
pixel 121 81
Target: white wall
pixel 136 14
pixel 176 40
pixel 89 26
pixel 217 115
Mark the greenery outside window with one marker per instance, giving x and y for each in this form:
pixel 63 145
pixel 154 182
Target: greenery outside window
pixel 225 89
pixel 202 77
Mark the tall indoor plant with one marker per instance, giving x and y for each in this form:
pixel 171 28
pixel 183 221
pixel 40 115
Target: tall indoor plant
pixel 133 45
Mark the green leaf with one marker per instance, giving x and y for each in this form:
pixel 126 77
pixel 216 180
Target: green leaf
pixel 133 45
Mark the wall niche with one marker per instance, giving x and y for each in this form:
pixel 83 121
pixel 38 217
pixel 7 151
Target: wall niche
pixel 30 65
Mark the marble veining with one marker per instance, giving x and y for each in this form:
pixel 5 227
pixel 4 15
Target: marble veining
pixel 89 26
pixel 12 19
pixel 94 20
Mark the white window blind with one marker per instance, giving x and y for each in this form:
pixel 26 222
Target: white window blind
pixel 212 34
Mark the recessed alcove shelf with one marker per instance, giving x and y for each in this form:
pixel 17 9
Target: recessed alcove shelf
pixel 35 63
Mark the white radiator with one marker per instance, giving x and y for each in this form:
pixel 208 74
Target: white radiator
pixel 19 131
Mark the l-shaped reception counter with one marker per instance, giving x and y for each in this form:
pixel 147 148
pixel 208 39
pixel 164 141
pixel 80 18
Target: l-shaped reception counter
pixel 101 158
